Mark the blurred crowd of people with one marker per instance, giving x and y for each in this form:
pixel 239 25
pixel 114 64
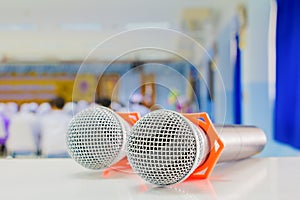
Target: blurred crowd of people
pixel 39 130
pixel 32 129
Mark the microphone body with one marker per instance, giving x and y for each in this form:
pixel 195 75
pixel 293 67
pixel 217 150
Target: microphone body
pixel 240 141
pixel 165 147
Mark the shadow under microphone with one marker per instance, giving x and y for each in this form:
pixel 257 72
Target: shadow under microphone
pixel 165 147
pixel 96 136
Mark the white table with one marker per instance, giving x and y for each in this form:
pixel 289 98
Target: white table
pixel 42 179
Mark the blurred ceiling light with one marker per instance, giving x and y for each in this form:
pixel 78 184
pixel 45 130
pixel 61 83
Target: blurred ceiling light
pixel 164 25
pixel 18 27
pixel 81 27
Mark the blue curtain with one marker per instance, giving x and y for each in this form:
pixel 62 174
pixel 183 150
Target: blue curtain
pixel 287 103
pixel 237 90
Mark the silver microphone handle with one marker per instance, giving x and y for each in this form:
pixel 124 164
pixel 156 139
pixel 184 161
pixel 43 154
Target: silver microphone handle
pixel 240 141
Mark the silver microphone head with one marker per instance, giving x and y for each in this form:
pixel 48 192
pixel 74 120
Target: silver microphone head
pixel 96 137
pixel 164 147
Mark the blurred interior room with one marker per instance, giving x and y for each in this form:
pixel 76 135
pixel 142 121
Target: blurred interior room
pixel 229 59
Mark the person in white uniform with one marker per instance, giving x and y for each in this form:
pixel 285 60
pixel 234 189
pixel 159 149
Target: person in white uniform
pixel 53 130
pixel 24 132
pixel 137 106
pixel 43 109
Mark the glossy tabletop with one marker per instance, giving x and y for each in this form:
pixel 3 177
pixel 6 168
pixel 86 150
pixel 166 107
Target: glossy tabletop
pixel 256 178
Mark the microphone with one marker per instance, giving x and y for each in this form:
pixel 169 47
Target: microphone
pixel 165 147
pixel 96 136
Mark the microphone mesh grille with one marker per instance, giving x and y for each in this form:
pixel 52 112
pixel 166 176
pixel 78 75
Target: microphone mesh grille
pixel 162 147
pixel 95 137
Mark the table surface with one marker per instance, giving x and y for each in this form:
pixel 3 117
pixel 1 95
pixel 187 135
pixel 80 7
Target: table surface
pixel 256 178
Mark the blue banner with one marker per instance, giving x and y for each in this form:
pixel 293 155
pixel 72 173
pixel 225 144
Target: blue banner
pixel 287 103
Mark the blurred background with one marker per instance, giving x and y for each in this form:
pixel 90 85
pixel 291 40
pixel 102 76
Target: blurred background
pixel 232 59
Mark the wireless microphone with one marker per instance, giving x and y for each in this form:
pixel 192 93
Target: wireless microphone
pixel 96 136
pixel 165 147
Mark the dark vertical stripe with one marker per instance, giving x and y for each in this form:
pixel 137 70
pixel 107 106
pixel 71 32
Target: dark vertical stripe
pixel 237 85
